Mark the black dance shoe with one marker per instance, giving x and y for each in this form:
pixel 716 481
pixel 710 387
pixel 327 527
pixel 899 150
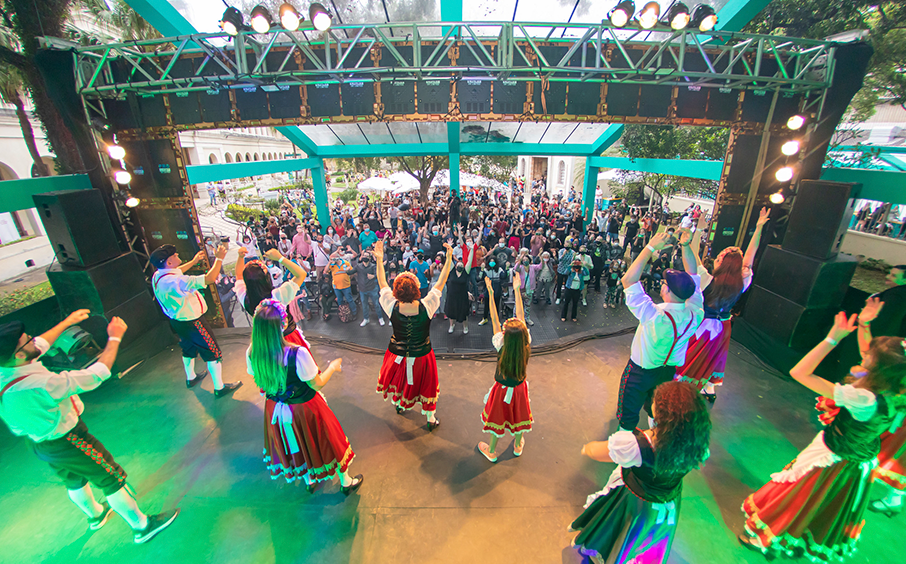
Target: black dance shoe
pixel 356 482
pixel 196 380
pixel 228 388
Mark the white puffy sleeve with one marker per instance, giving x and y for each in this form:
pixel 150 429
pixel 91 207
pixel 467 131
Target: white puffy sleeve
pixel 306 369
pixel 497 340
pixel 861 403
pixel 431 301
pixel 387 300
pixel 240 290
pixel 706 277
pixel 286 292
pixel 248 363
pixel 624 449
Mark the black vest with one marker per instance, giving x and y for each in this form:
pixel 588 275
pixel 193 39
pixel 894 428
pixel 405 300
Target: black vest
pixel 645 483
pixel 411 333
pixel 504 381
pixel 290 322
pixel 296 391
pixel 857 441
pixel 717 313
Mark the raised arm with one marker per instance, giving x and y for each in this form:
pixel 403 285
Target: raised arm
pixel 749 258
pixel 211 276
pixel 866 316
pixel 517 284
pixel 240 262
pixel 691 260
pixel 378 252
pixel 199 256
pixel 804 370
pixel 634 273
pixel 73 318
pixel 445 272
pixel 495 321
pixel 298 272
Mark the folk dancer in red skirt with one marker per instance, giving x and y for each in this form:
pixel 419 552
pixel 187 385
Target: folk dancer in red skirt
pixel 409 371
pixel 633 519
pixel 507 407
pixel 253 284
pixel 816 505
pixel 706 357
pixel 302 437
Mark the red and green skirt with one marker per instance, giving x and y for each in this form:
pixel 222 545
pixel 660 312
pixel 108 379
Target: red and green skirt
pixel 304 441
pixel 405 390
pixel 706 358
pixel 892 459
pixel 501 416
pixel 819 515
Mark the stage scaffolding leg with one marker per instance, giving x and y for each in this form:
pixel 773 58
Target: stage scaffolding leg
pixel 319 185
pixel 454 172
pixel 588 194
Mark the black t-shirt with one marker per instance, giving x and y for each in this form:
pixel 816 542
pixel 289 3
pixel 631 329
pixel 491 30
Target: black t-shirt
pixel 632 229
pixel 891 321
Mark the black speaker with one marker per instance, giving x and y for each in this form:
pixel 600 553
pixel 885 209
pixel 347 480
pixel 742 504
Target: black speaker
pixel 796 326
pixel 154 167
pixel 819 217
pixel 169 227
pixel 805 280
pixel 78 226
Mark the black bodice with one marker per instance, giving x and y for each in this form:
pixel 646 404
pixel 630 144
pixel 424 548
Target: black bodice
pixel 854 440
pixel 411 333
pixel 647 484
pixel 717 313
pixel 297 391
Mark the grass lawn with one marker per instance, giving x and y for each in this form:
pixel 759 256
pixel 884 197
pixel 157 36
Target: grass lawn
pixel 11 301
pixel 19 240
pixel 870 281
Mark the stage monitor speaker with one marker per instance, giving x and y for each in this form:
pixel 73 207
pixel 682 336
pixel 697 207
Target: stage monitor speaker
pixel 78 226
pixel 169 227
pixel 819 217
pixel 794 325
pixel 805 280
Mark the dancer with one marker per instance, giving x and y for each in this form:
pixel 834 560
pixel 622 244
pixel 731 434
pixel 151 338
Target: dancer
pixel 659 344
pixel 44 406
pixel 706 356
pixel 180 298
pixel 507 407
pixel 633 519
pixel 253 284
pixel 302 437
pixel 409 371
pixel 816 504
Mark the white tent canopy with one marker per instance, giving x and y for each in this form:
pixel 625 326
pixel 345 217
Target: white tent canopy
pixel 377 183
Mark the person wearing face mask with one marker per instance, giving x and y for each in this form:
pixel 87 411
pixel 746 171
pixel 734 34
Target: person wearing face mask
pixel 332 239
pixel 366 278
pixel 547 273
pixel 322 255
pixel 498 276
pixel 587 265
pixel 422 271
pixel 435 241
pixel 563 268
pixel 458 298
pixel 528 272
pixel 575 282
pixel 368 237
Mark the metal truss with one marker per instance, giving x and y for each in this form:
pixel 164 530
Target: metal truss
pixel 472 51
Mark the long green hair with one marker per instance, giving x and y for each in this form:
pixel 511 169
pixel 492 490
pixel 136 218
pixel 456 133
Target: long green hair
pixel 268 345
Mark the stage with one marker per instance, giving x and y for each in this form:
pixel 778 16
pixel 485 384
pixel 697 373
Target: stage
pixel 426 497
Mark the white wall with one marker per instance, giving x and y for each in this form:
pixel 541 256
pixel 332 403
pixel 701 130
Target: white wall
pixel 889 250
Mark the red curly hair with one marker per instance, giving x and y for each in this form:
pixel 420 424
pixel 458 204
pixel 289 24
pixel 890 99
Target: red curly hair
pixel 406 288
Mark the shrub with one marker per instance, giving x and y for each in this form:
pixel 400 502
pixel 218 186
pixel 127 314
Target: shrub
pixel 272 206
pixel 350 193
pixel 875 264
pixel 242 213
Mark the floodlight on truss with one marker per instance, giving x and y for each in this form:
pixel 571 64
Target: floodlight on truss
pixel 319 17
pixel 649 15
pixel 261 19
pixel 116 152
pixel 704 17
pixel 289 17
pixel 231 22
pixel 621 13
pixel 784 174
pixel 677 16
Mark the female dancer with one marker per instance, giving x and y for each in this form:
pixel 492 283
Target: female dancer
pixel 633 519
pixel 253 284
pixel 816 504
pixel 706 357
pixel 507 407
pixel 409 372
pixel 458 297
pixel 302 437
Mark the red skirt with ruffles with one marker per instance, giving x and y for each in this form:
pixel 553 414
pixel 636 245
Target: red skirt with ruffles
pixel 892 459
pixel 820 514
pixel 296 338
pixel 321 447
pixel 393 382
pixel 500 417
pixel 706 358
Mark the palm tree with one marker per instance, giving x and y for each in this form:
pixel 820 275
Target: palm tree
pixel 11 88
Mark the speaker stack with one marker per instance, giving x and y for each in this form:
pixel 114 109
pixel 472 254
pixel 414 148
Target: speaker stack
pixel 800 285
pixel 92 272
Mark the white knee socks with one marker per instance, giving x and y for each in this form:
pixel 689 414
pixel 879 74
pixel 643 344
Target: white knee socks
pixel 126 507
pixel 216 370
pixel 84 499
pixel 189 364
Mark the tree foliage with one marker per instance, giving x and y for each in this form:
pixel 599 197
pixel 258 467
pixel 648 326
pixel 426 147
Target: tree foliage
pixel 423 169
pixel 496 167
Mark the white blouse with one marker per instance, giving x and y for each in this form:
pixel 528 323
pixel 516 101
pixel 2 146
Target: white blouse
pixel 283 293
pixel 306 368
pixel 624 450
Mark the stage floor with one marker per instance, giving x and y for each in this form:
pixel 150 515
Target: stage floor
pixel 427 497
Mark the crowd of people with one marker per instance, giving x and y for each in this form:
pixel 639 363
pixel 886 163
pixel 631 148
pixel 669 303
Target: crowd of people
pixel 460 255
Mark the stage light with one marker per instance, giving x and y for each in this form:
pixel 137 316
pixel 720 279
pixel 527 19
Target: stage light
pixel 231 21
pixel 621 14
pixel 289 17
pixel 704 18
pixel 678 16
pixel 795 122
pixel 122 177
pixel 777 197
pixel 790 148
pixel 261 19
pixel 647 18
pixel 132 202
pixel 319 17
pixel 784 174
pixel 116 152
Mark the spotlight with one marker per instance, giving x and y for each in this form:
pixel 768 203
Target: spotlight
pixel 289 17
pixel 122 177
pixel 678 16
pixel 647 18
pixel 319 17
pixel 261 19
pixel 795 122
pixel 116 152
pixel 620 15
pixel 231 21
pixel 704 18
pixel 132 202
pixel 790 148
pixel 777 197
pixel 784 174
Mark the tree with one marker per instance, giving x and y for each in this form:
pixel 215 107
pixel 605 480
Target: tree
pixel 496 167
pixel 423 169
pixel 11 88
pixel 361 165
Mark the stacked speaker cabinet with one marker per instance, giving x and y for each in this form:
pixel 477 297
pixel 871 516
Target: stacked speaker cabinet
pixel 799 285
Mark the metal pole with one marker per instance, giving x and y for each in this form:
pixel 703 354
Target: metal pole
pixel 759 172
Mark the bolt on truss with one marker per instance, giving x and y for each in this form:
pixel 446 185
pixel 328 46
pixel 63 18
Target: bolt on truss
pixel 504 51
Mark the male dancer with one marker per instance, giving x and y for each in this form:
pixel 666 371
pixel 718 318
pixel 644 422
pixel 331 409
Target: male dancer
pixel 659 344
pixel 181 300
pixel 43 406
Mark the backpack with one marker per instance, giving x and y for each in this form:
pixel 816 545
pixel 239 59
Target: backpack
pixel 344 313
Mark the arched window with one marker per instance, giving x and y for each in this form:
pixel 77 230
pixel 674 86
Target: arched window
pixel 248 158
pixel 238 158
pixel 228 158
pixel 521 167
pixel 561 173
pixel 256 156
pixel 212 159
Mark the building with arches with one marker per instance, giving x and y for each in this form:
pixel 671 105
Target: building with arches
pixel 558 173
